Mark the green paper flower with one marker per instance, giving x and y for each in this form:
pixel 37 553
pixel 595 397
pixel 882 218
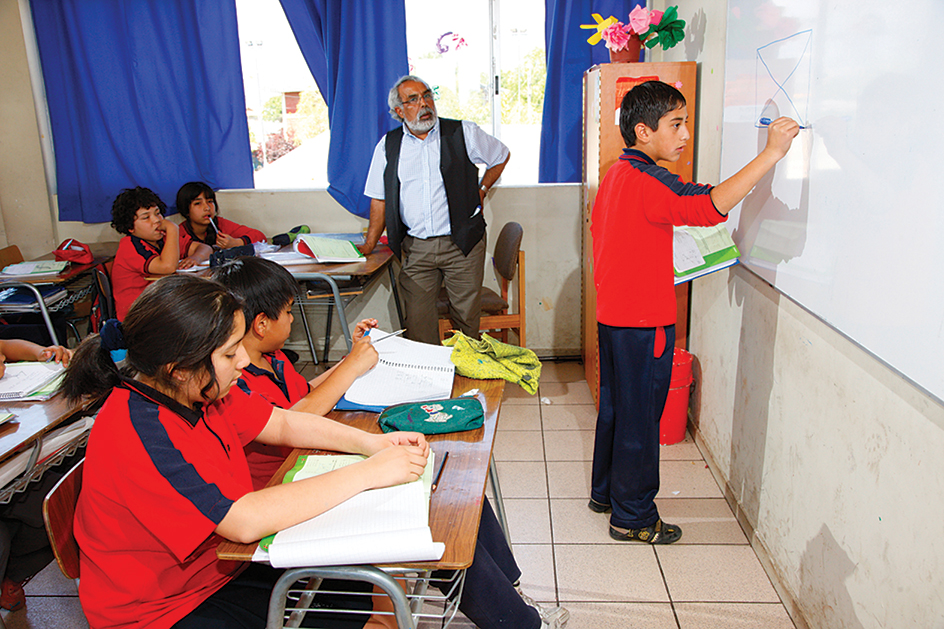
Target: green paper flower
pixel 669 31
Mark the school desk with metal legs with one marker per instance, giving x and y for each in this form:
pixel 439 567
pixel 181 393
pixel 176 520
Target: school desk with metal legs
pixel 454 510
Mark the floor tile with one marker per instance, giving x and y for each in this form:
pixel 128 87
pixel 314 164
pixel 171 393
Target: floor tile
pixel 573 523
pixel 626 573
pixel 715 574
pixel 519 417
pixel 536 562
pixel 566 392
pixel 568 479
pixel 569 417
pixel 684 450
pixel 522 479
pixel 732 616
pixel 563 371
pixel 528 520
pixel 45 612
pixel 51 582
pixel 516 395
pixel 687 479
pixel 568 445
pixel 518 445
pixel 621 616
pixel 703 520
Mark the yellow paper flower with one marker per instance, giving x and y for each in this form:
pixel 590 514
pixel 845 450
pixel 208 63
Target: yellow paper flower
pixel 600 25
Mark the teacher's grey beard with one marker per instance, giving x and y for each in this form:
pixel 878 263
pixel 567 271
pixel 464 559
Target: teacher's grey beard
pixel 422 126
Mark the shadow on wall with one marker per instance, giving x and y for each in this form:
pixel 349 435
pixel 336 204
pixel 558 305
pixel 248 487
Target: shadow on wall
pixel 567 331
pixel 823 566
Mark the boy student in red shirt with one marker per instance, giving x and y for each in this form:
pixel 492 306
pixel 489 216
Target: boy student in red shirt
pixel 150 246
pixel 635 209
pixel 268 291
pixel 491 596
pixel 166 477
pixel 196 202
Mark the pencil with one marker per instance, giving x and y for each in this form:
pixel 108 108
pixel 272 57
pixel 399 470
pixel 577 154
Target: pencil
pixel 439 473
pixel 386 336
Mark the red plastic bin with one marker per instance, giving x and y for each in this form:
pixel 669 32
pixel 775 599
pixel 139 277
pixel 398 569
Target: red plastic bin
pixel 675 414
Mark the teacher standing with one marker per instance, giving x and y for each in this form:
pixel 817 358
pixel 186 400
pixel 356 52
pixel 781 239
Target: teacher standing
pixel 426 192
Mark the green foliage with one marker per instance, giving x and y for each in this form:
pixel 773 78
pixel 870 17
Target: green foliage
pixel 669 31
pixel 272 110
pixel 523 90
pixel 311 117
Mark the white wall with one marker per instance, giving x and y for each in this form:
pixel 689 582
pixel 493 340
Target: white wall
pixel 832 459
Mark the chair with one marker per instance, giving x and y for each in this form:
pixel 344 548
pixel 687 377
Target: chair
pixel 508 258
pixel 10 255
pixel 58 514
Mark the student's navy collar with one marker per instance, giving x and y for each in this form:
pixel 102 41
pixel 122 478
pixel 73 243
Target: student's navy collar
pixel 186 226
pixel 147 243
pixel 191 416
pixel 636 154
pixel 277 375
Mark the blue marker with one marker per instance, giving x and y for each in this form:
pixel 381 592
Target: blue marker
pixel 766 121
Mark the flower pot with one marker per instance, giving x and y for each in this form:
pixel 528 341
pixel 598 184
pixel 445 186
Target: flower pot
pixel 628 54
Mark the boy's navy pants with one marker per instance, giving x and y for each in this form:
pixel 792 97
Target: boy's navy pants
pixel 635 371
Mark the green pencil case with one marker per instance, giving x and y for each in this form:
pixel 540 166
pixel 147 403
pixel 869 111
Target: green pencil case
pixel 434 418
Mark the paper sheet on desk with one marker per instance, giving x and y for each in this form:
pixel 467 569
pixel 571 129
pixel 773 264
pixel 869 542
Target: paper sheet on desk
pixel 387 525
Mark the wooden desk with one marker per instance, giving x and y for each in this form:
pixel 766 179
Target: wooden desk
pixel 102 252
pixel 32 422
pixel 456 505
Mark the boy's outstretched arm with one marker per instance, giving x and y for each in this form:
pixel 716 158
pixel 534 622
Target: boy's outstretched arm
pixel 328 388
pixel 731 191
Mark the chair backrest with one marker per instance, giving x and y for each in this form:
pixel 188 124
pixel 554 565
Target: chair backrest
pixel 10 255
pixel 59 514
pixel 506 249
pixel 105 294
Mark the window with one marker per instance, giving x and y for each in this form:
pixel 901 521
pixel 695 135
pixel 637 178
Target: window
pixel 450 47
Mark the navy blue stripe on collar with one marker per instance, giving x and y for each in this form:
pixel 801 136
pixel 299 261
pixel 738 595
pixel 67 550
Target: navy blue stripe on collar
pixel 190 415
pixel 277 375
pixel 636 154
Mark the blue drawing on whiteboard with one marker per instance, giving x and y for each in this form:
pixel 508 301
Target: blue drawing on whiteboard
pixel 783 85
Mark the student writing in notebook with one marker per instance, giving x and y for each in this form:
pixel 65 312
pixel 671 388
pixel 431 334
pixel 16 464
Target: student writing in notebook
pixel 268 291
pixel 491 597
pixel 166 477
pixel 196 202
pixel 150 246
pixel 16 349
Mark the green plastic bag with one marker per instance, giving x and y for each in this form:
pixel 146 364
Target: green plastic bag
pixel 434 418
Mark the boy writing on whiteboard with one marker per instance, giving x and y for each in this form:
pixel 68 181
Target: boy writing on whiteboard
pixel 635 209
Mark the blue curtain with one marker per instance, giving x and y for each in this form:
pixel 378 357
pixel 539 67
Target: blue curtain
pixel 356 50
pixel 568 56
pixel 142 93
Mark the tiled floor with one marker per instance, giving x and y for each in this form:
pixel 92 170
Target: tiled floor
pixel 710 579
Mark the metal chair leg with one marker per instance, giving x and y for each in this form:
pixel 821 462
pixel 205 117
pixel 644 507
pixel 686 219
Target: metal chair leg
pixel 499 503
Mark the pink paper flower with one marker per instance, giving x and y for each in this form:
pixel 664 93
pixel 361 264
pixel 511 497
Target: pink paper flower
pixel 615 36
pixel 639 20
pixel 678 85
pixel 655 17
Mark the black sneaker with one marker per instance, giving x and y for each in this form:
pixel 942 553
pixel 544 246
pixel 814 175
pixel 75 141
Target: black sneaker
pixel 598 507
pixel 658 533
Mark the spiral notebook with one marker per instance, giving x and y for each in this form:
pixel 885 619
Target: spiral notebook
pixel 406 371
pixel 21 380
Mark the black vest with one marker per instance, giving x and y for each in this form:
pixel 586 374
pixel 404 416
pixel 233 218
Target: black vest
pixel 461 178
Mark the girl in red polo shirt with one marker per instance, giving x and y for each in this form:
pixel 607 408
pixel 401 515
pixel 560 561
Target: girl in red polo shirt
pixel 196 202
pixel 166 477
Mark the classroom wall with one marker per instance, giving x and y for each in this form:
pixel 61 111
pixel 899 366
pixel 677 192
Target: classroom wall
pixel 831 458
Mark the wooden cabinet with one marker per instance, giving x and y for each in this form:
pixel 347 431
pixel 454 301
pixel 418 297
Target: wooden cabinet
pixel 604 87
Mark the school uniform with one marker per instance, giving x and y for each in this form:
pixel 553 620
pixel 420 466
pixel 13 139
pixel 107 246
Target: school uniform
pixel 283 388
pixel 158 479
pixel 247 234
pixel 635 209
pixel 130 271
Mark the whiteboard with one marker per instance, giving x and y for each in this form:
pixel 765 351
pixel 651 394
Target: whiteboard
pixel 850 224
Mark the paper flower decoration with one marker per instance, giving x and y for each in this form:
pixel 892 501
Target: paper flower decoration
pixel 599 27
pixel 652 27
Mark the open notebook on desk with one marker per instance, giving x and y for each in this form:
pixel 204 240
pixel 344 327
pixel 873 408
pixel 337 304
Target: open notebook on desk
pixel 387 525
pixel 29 381
pixel 406 371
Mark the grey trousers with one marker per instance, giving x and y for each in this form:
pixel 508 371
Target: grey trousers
pixel 429 264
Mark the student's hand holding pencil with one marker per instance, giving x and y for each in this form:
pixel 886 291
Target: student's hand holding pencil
pixel 407 438
pixel 363 327
pixel 56 353
pixel 363 356
pixel 395 465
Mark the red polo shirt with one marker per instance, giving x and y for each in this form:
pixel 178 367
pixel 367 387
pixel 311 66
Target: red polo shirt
pixel 130 270
pixel 247 234
pixel 283 388
pixel 635 209
pixel 158 479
